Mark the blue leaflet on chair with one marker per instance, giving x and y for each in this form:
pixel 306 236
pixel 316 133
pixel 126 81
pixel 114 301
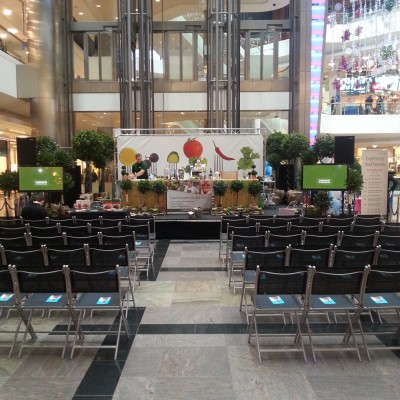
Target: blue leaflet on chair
pixel 53 298
pixel 379 299
pixel 276 300
pixel 327 300
pixel 6 296
pixel 103 300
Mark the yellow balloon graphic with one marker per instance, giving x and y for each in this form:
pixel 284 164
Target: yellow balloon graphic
pixel 127 156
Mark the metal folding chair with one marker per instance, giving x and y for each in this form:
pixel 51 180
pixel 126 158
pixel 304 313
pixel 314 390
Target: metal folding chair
pixel 235 255
pixel 277 291
pixel 46 289
pixel 117 254
pixel 9 301
pixel 264 260
pixel 382 295
pixel 335 290
pixel 96 288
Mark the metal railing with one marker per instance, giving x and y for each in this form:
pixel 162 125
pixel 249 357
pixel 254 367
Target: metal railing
pixel 360 108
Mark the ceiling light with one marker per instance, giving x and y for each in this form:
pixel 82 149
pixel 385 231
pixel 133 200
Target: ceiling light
pixel 12 30
pixel 3 35
pixel 98 5
pixel 7 11
pixel 374 146
pixel 80 13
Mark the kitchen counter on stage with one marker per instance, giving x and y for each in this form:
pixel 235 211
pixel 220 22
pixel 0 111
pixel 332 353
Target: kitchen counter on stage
pixel 180 197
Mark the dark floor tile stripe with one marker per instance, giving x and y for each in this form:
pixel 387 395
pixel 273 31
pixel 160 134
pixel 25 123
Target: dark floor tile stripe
pixel 103 374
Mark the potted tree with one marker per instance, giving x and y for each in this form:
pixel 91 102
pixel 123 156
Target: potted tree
pixel 253 172
pixel 236 186
pixel 144 186
pixel 86 145
pixel 159 188
pixel 126 185
pixel 220 188
pixel 254 188
pixel 101 159
pixel 322 202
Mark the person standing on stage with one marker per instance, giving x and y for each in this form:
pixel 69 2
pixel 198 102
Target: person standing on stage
pixel 139 168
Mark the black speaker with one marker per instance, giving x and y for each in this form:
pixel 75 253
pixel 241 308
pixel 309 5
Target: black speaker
pixel 344 150
pixel 26 151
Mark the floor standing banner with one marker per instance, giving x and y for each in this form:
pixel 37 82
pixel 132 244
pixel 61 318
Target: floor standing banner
pixel 374 168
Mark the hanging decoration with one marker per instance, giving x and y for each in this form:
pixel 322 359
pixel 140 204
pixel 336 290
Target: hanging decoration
pixel 369 43
pixel 389 4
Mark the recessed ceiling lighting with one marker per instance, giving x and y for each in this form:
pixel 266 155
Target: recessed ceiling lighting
pixel 7 11
pixel 98 5
pixel 80 13
pixel 3 35
pixel 12 30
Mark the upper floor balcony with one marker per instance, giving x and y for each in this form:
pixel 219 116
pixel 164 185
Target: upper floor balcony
pixel 381 125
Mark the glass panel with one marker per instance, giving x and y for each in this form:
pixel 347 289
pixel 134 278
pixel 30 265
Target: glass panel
pixel 105 54
pixel 176 122
pixel 78 56
pixel 93 56
pixel 90 11
pixel 268 54
pixel 102 121
pixel 201 58
pixel 158 56
pixel 270 120
pixel 254 62
pixel 187 56
pixel 283 55
pixel 174 56
pixel 184 10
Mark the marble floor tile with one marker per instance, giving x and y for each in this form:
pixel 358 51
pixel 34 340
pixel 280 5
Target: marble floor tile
pixel 352 387
pixel 190 342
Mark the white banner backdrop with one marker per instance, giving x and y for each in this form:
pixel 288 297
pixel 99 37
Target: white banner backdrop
pixel 219 152
pixel 177 200
pixel 374 167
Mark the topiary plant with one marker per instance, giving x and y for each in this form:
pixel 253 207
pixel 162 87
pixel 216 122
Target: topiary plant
pixel 144 186
pixel 254 188
pixel 236 186
pixel 126 185
pixel 322 201
pixel 159 187
pixel 220 188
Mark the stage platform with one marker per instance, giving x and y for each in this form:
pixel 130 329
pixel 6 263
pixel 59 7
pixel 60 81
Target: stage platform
pixel 180 225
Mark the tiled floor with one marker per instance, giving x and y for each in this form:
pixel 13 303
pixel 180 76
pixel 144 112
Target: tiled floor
pixel 190 342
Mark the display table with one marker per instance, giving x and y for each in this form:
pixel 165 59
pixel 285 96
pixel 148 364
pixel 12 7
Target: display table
pixel 120 214
pixel 133 198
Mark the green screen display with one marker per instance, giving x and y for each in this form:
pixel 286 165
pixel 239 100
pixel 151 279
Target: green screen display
pixel 40 179
pixel 325 177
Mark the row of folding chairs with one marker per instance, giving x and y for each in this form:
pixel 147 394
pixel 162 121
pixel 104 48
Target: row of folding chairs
pixel 74 220
pixel 244 227
pixel 339 238
pixel 324 256
pixel 69 289
pixel 118 249
pixel 306 292
pixel 302 219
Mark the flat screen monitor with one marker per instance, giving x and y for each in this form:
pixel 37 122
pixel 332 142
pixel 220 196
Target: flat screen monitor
pixel 41 179
pixel 325 177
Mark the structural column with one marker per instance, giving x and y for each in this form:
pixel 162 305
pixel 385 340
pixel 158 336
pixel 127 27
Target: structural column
pixel 48 54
